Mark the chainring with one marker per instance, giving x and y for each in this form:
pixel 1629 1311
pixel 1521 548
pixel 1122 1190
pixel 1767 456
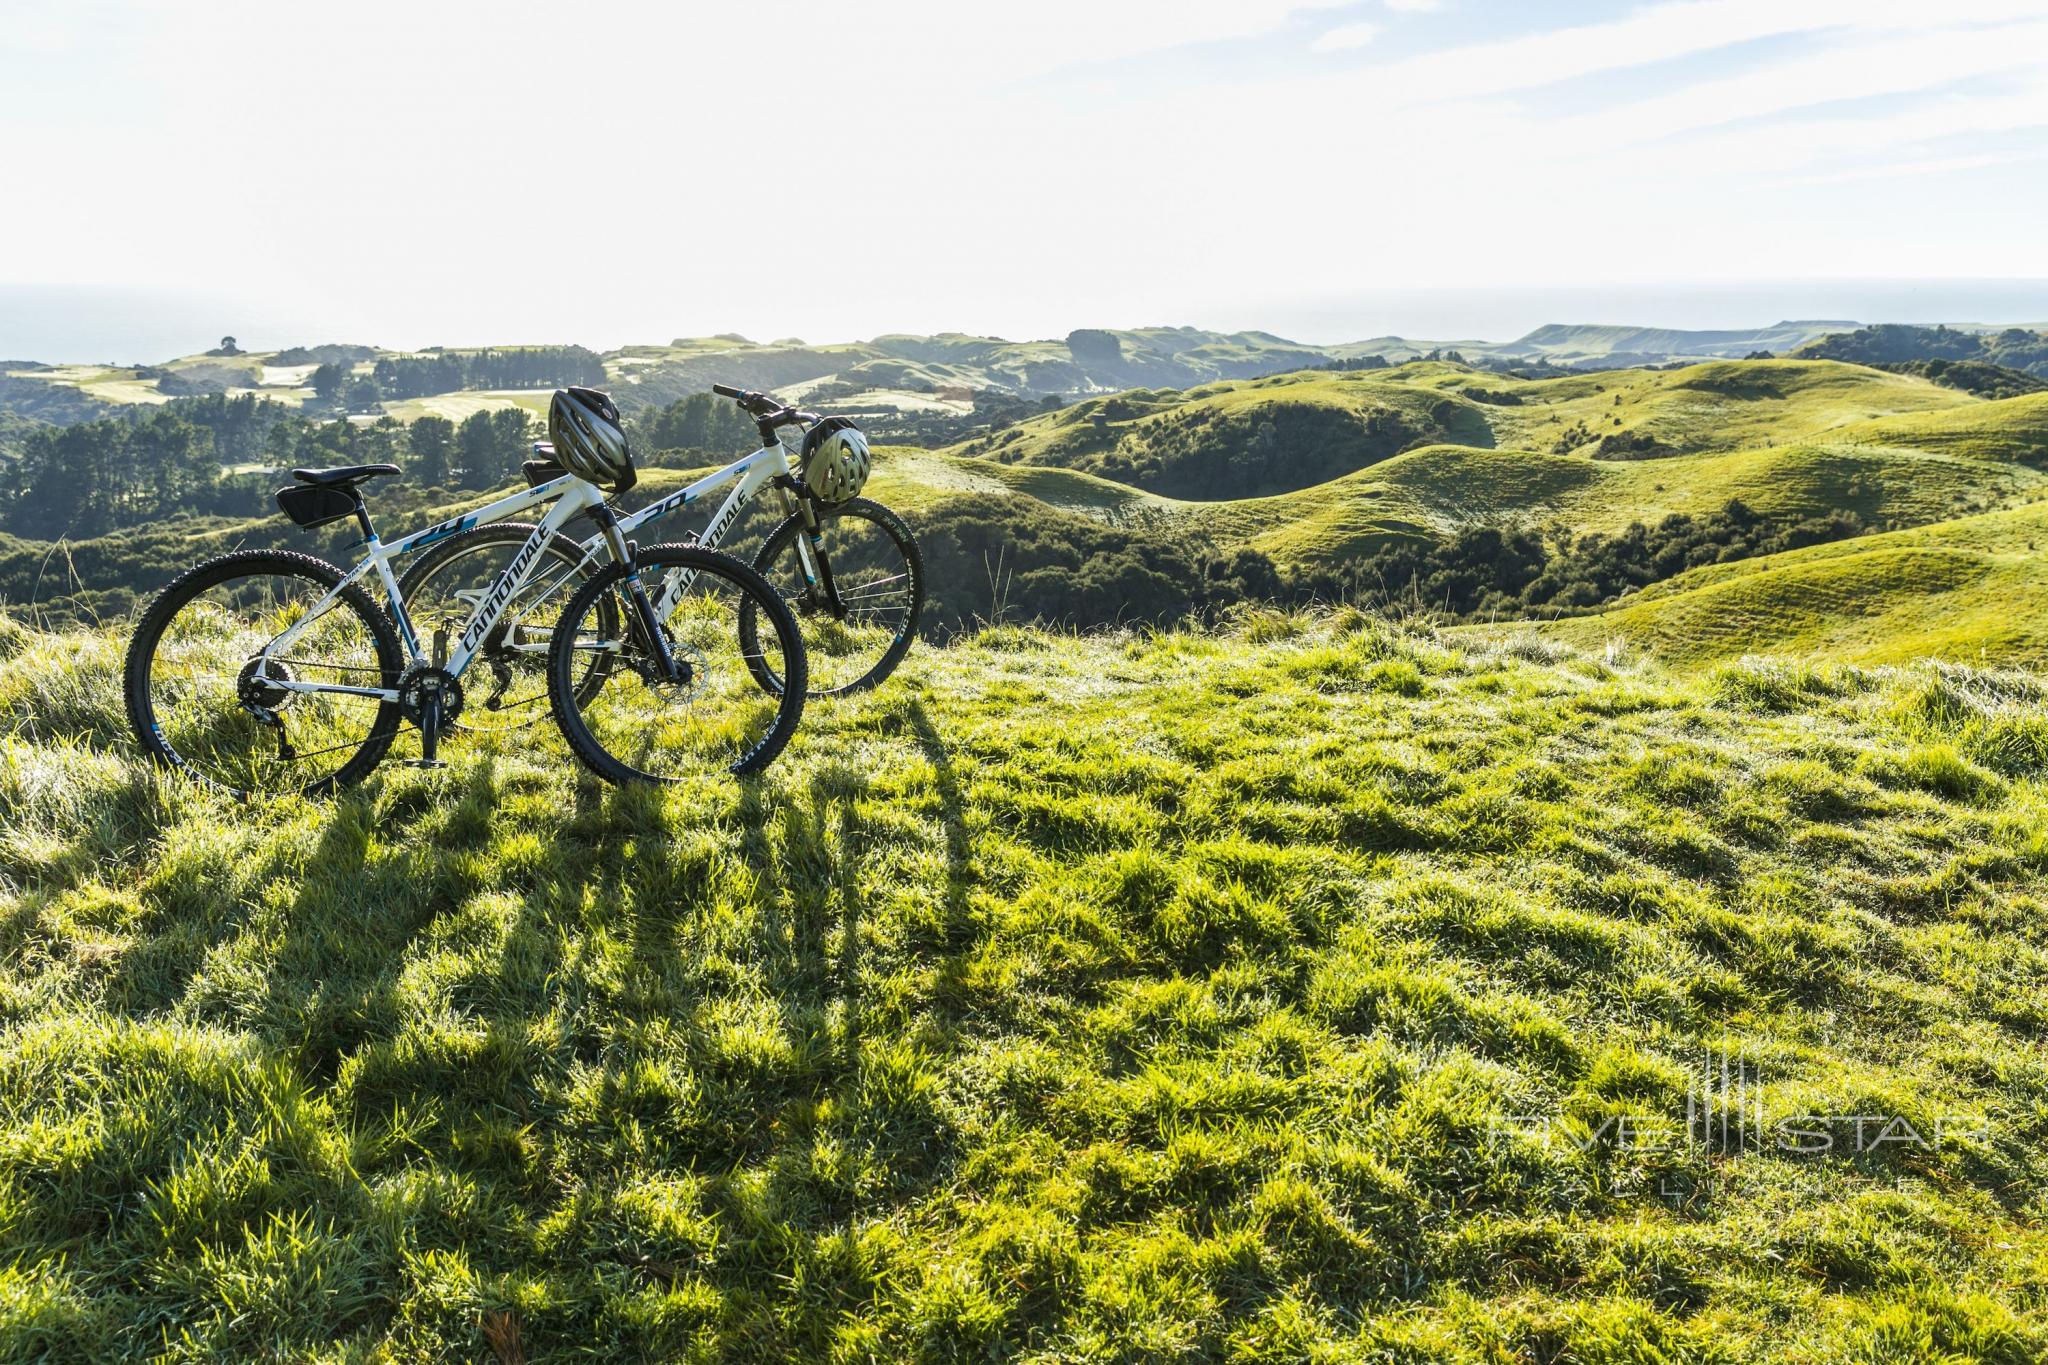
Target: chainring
pixel 422 681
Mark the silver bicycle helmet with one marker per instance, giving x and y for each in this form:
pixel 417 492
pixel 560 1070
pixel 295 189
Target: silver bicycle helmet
pixel 835 459
pixel 589 439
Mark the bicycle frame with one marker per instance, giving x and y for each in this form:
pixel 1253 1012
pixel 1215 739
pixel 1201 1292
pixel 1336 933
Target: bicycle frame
pixel 571 496
pixel 753 473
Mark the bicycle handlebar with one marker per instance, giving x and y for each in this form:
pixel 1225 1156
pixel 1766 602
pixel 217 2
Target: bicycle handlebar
pixel 765 409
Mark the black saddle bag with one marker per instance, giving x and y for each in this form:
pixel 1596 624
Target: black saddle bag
pixel 311 505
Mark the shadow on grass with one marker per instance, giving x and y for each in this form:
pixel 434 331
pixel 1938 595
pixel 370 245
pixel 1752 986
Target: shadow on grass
pixel 808 856
pixel 194 918
pixel 952 812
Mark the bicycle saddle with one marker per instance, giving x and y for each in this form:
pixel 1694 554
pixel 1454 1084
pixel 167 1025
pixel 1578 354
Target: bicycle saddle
pixel 343 476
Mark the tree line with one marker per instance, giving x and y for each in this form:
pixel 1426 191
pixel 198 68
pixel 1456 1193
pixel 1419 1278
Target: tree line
pixel 701 428
pixel 222 456
pixel 395 378
pixel 88 479
pixel 1489 571
pixel 998 558
pixel 1888 343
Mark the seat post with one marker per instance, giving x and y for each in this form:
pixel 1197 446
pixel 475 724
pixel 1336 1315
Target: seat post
pixel 363 518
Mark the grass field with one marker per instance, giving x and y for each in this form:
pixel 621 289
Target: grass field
pixel 1794 439
pixel 1286 993
pixel 456 406
pixel 107 383
pixel 2013 429
pixel 1440 489
pixel 1722 405
pixel 1974 590
pixel 1307 989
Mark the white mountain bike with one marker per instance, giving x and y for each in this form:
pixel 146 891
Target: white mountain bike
pixel 850 573
pixel 264 672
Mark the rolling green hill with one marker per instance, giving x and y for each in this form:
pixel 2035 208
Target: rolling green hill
pixel 1970 587
pixel 1792 439
pixel 1721 405
pixel 1306 991
pixel 1590 345
pixel 1973 589
pixel 1236 440
pixel 2011 429
pixel 1598 346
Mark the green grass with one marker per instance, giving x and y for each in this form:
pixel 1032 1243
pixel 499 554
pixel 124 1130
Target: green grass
pixel 1717 406
pixel 106 383
pixel 1179 997
pixel 1721 405
pixel 1973 590
pixel 1438 490
pixel 909 478
pixel 456 406
pixel 2014 429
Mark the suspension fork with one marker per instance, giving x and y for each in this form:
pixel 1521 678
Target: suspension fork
pixel 672 670
pixel 810 555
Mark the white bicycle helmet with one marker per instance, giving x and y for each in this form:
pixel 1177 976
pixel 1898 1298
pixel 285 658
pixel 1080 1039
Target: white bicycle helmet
pixel 835 460
pixel 589 439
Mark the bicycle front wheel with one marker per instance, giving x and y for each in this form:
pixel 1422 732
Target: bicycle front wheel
pixel 255 675
pixel 649 723
pixel 858 599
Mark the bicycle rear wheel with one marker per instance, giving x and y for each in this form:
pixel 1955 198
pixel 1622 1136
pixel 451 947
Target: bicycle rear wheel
pixel 210 691
pixel 641 725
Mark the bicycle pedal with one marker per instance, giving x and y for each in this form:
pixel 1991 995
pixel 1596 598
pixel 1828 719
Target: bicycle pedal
pixel 425 763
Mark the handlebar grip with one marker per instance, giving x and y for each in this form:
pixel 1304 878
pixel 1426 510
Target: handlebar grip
pixel 727 391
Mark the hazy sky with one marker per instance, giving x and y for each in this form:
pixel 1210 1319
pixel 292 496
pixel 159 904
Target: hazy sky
pixel 611 171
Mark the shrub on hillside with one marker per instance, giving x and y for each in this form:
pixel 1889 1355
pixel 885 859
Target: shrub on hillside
pixel 993 558
pixel 1631 445
pixel 1485 571
pixel 2015 348
pixel 1211 454
pixel 1971 376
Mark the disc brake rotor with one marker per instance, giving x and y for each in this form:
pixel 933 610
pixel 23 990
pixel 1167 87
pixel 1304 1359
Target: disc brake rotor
pixel 694 671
